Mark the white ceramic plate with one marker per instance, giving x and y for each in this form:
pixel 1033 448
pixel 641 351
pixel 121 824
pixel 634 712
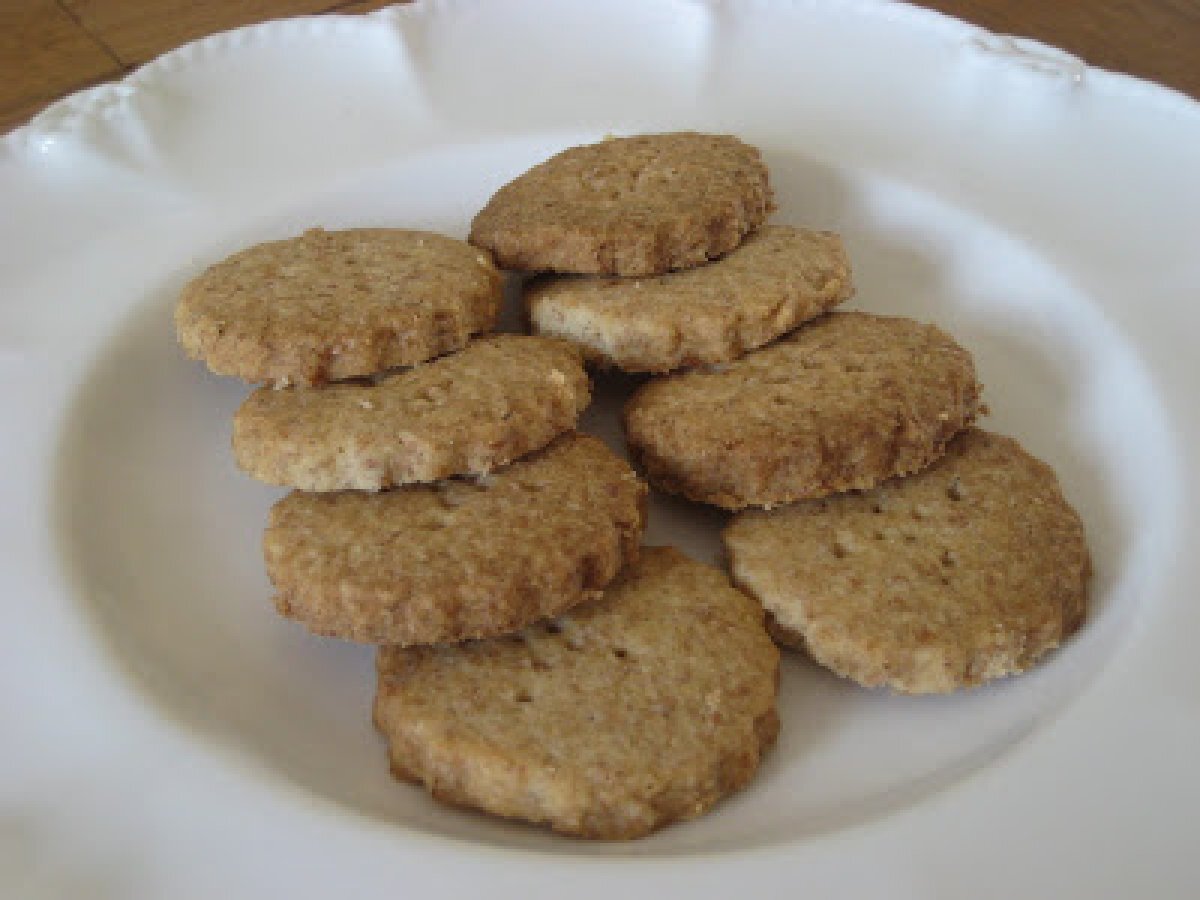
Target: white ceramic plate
pixel 165 734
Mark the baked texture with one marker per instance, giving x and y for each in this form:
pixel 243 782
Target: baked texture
pixel 848 400
pixel 457 559
pixel 778 278
pixel 337 304
pixel 502 397
pixel 645 707
pixel 968 571
pixel 628 206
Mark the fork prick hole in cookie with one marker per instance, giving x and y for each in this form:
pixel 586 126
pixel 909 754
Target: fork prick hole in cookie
pixel 843 544
pixel 954 490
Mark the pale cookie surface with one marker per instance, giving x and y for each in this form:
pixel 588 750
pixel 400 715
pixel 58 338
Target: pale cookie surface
pixel 628 206
pixel 468 413
pixel 777 279
pixel 968 571
pixel 457 559
pixel 646 706
pixel 337 304
pixel 847 401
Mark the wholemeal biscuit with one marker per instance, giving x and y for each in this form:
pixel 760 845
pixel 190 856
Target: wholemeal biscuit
pixel 778 278
pixel 646 706
pixel 468 413
pixel 457 559
pixel 628 206
pixel 847 401
pixel 337 304
pixel 967 571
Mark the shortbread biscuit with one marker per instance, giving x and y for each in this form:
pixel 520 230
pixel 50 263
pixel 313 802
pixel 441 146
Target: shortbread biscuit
pixel 468 413
pixel 457 559
pixel 642 708
pixel 847 401
pixel 337 304
pixel 968 571
pixel 777 279
pixel 628 206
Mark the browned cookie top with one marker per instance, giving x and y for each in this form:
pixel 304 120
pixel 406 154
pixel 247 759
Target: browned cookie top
pixel 848 400
pixel 337 304
pixel 965 572
pixel 457 559
pixel 646 706
pixel 628 206
pixel 467 413
pixel 778 278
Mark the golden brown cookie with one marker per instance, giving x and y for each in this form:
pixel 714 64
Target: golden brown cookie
pixel 337 304
pixel 777 279
pixel 457 559
pixel 628 206
pixel 642 708
pixel 848 400
pixel 967 571
pixel 468 413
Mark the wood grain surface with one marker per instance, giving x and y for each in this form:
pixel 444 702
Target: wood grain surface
pixel 49 48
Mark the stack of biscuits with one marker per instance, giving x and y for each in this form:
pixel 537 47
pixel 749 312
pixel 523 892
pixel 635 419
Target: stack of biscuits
pixel 444 507
pixel 534 660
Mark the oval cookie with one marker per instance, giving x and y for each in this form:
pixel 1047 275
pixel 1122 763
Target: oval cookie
pixel 847 401
pixel 641 708
pixel 337 304
pixel 777 279
pixel 458 559
pixel 968 571
pixel 468 413
pixel 628 206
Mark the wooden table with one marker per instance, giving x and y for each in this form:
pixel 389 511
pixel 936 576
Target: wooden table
pixel 49 48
